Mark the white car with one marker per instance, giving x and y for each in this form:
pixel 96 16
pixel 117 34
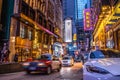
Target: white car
pixel 67 61
pixel 102 65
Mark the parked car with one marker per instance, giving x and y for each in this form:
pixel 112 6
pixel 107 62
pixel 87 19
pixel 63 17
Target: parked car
pixel 45 63
pixel 102 65
pixel 67 61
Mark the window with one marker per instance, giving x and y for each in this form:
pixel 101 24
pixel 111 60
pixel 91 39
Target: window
pixel 97 54
pixel 40 36
pixel 30 35
pixel 92 55
pixel 22 31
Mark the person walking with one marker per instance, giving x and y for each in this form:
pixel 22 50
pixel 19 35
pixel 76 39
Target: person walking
pixel 16 57
pixel 3 53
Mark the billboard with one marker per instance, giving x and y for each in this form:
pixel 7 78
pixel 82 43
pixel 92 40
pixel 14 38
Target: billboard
pixel 68 30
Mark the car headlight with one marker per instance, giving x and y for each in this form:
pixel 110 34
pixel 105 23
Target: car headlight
pixel 26 64
pixel 41 64
pixel 96 69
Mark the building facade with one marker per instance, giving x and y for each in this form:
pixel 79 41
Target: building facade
pixel 106 30
pixel 33 27
pixel 69 14
pixel 82 33
pixel 6 10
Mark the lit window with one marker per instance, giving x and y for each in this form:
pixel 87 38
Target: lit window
pixel 22 31
pixel 30 35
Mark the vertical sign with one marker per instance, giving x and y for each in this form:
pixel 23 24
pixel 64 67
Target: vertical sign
pixel 87 20
pixel 68 30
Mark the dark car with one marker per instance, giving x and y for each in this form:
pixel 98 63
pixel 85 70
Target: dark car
pixel 45 63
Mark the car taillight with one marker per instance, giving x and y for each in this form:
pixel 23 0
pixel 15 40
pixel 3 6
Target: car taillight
pixel 41 64
pixel 26 64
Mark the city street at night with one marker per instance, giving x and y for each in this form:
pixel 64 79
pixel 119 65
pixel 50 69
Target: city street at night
pixel 66 73
pixel 59 39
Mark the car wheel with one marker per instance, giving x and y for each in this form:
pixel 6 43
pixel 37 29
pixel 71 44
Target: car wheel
pixel 59 68
pixel 49 70
pixel 28 72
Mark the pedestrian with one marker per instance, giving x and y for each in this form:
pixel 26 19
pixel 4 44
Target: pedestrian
pixel 16 57
pixel 3 52
pixel 0 53
pixel 6 55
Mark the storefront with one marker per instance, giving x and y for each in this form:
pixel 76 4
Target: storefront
pixel 21 36
pixel 23 48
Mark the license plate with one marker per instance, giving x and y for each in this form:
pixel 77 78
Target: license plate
pixel 32 68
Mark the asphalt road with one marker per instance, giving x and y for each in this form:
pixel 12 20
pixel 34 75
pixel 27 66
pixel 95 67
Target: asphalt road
pixel 66 73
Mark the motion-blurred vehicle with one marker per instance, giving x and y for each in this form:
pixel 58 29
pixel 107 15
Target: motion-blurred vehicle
pixel 102 65
pixel 45 63
pixel 77 59
pixel 67 61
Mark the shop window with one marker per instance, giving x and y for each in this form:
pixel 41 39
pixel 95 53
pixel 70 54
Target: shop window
pixel 30 35
pixel 40 36
pixel 22 31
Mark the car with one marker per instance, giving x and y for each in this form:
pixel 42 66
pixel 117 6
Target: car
pixel 45 63
pixel 67 61
pixel 102 65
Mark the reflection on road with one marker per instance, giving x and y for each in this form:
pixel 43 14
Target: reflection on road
pixel 66 73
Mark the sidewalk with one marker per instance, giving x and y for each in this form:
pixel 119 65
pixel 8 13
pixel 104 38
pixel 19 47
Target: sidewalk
pixel 10 67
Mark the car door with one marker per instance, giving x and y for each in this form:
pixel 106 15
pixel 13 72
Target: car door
pixel 55 63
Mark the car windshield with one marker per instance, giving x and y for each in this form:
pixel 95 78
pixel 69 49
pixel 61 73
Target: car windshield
pixel 66 58
pixel 105 54
pixel 44 57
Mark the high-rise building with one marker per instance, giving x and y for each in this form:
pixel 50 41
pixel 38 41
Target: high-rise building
pixel 35 26
pixel 69 12
pixel 69 21
pixel 81 5
pixel 6 10
pixel 74 9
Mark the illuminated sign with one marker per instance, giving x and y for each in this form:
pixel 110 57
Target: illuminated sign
pixel 68 30
pixel 75 37
pixel 87 20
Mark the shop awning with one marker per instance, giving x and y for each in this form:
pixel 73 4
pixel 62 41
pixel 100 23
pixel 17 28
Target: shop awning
pixel 29 21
